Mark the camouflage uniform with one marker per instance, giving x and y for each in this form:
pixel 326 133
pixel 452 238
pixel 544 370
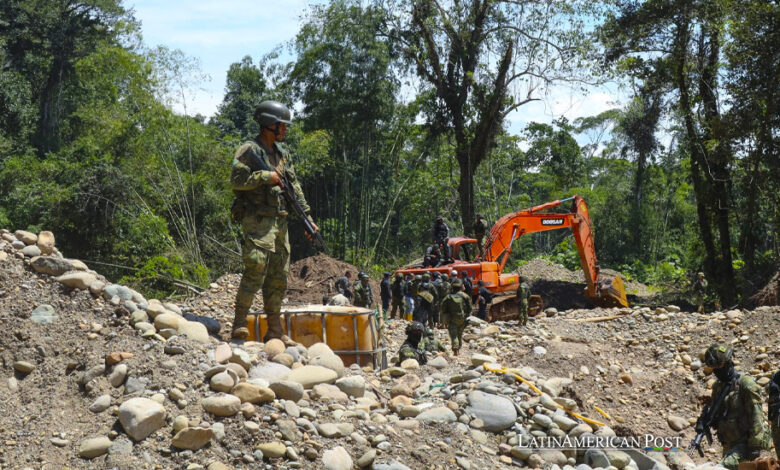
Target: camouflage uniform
pixel 742 427
pixel 437 298
pixel 410 349
pixel 397 299
pixel 263 217
pixel 342 287
pixel 485 298
pixel 773 390
pixel 431 344
pixel 523 295
pixel 444 288
pixel 454 310
pixel 423 305
pixel 363 297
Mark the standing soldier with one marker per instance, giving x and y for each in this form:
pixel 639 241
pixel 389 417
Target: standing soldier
pixel 741 424
pixel 423 304
pixel 261 210
pixel 454 310
pixel 479 232
pixel 408 295
pixel 700 289
pixel 468 286
pixel 437 297
pixel 397 292
pixel 344 286
pixel 441 235
pixel 485 297
pixel 440 231
pixel 523 296
pixel 773 390
pixel 363 295
pixel 444 287
pixel 384 292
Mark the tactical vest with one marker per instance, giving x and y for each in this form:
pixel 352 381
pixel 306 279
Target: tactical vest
pixel 265 200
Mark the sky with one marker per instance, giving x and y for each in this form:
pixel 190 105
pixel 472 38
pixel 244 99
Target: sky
pixel 219 33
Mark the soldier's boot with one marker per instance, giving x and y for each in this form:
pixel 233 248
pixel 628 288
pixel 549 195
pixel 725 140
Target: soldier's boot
pixel 240 330
pixel 455 352
pixel 274 328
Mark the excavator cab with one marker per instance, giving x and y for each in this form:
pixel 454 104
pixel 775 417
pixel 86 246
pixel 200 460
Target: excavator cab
pixel 463 249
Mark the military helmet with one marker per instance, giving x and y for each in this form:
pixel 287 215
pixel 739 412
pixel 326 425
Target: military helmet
pixel 417 277
pixel 362 276
pixel 454 273
pixel 426 277
pixel 415 328
pixel 399 276
pixel 718 355
pixel 270 112
pixel 457 283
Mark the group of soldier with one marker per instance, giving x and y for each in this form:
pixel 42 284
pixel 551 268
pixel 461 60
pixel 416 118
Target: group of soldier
pixel 358 294
pixel 431 300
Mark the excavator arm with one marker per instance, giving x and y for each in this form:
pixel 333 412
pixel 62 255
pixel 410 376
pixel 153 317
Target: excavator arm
pixel 602 290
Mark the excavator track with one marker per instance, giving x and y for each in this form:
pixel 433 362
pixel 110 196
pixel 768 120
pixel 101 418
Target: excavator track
pixel 504 308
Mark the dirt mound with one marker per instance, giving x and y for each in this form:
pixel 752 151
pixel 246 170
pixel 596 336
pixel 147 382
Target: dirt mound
pixel 542 269
pixel 768 296
pixel 315 276
pixel 309 279
pixel 562 288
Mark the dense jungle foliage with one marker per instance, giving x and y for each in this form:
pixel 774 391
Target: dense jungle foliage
pixel 401 110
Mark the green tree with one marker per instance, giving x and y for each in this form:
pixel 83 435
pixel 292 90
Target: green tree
pixel 690 34
pixel 43 40
pixel 751 81
pixel 343 78
pixel 484 59
pixel 244 90
pixel 556 152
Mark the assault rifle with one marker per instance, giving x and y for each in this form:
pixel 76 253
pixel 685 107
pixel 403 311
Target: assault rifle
pixel 709 418
pixel 292 202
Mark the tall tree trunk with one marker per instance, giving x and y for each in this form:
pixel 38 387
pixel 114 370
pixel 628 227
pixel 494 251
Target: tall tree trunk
pixel 748 232
pixel 466 187
pixel 692 142
pixel 720 156
pixel 640 172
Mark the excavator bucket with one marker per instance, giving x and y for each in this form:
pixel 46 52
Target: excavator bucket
pixel 612 293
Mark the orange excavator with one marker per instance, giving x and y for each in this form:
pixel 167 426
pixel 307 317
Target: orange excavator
pixel 488 266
